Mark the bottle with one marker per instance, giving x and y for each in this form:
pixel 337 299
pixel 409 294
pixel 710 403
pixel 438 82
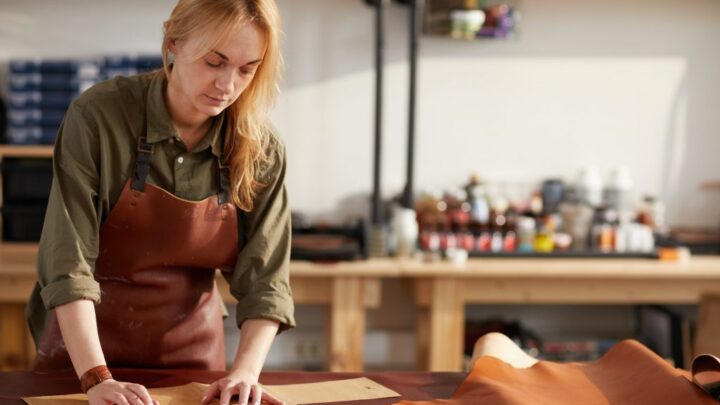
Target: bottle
pixel 525 234
pixel 405 227
pixel 589 186
pixel 483 241
pixel 553 193
pixel 480 209
pixel 544 240
pixel 510 242
pixel 618 193
pixel 536 204
pixel 466 241
pixel 652 214
pixel 465 24
pixel 496 242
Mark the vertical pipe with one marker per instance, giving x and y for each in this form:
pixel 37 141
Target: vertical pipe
pixel 377 217
pixel 415 15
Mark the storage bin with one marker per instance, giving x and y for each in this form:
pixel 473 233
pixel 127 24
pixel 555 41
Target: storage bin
pixel 26 179
pixel 80 67
pixel 23 223
pixel 36 117
pixel 41 100
pixel 50 82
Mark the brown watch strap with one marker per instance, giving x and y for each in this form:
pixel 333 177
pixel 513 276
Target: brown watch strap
pixel 93 377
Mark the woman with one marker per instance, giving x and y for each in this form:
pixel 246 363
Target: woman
pixel 159 180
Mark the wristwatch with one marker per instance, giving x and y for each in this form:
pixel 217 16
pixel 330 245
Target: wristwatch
pixel 93 377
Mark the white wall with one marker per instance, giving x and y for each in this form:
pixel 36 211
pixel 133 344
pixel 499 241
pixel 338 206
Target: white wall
pixel 605 83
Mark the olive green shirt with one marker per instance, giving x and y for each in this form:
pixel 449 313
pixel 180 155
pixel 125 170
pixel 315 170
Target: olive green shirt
pixel 93 158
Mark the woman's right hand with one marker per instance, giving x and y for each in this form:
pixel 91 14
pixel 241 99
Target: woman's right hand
pixel 111 392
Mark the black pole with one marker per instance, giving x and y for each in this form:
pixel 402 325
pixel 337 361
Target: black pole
pixel 377 217
pixel 414 35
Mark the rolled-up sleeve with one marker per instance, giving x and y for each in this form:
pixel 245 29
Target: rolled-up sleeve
pixel 260 280
pixel 69 242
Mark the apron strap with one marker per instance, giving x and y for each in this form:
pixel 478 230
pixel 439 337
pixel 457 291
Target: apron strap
pixel 142 164
pixel 224 193
pixel 223 171
pixel 142 169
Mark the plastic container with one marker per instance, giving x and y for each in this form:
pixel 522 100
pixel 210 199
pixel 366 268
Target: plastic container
pixel 32 135
pixel 37 99
pixel 465 24
pixel 405 229
pixel 36 117
pixel 526 234
pixel 589 186
pixel 23 223
pixel 618 193
pixel 146 63
pixel 80 67
pixel 26 180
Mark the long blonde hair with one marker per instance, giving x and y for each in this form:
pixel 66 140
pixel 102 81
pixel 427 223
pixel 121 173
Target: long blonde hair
pixel 247 130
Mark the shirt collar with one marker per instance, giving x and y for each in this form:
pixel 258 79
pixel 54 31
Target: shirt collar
pixel 159 125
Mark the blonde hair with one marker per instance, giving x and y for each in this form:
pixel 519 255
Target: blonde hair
pixel 248 133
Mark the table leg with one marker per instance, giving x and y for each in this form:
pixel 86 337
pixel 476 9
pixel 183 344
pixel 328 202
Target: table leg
pixel 14 340
pixel 422 338
pixel 707 339
pixel 447 326
pixel 346 328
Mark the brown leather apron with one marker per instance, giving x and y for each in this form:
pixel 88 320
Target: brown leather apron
pixel 160 307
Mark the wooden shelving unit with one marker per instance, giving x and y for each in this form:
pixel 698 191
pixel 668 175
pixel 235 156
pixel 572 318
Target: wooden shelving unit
pixel 16 258
pixel 28 151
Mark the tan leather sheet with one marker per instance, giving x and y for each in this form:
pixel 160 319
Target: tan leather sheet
pixel 628 374
pixel 293 394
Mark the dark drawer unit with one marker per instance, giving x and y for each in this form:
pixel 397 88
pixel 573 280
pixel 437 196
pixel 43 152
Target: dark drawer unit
pixel 26 180
pixel 23 222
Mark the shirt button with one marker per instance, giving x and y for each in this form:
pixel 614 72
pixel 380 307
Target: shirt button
pixel 181 159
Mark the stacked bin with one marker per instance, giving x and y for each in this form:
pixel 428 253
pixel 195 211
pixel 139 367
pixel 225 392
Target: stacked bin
pixel 25 187
pixel 40 93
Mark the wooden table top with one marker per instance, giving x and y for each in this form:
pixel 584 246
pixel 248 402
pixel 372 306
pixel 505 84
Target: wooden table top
pixel 20 260
pixel 411 385
pixel 697 267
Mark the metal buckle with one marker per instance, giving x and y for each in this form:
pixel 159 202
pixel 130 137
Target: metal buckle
pixel 144 147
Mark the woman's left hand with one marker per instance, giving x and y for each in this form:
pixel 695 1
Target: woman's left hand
pixel 243 385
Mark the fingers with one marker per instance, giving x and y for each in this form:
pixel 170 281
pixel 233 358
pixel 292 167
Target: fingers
pixel 243 393
pixel 227 393
pixel 141 393
pixel 132 398
pixel 117 398
pixel 212 391
pixel 257 392
pixel 271 399
pixel 242 390
pixel 119 393
pixel 226 389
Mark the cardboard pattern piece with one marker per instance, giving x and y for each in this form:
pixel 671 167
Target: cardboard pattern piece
pixel 294 394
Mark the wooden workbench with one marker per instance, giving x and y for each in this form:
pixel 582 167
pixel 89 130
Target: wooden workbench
pixel 347 288
pixel 441 291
